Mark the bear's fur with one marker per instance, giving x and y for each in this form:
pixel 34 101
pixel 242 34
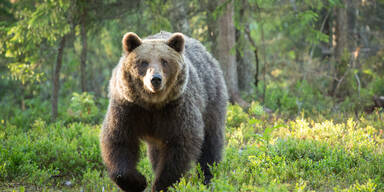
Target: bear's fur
pixel 168 91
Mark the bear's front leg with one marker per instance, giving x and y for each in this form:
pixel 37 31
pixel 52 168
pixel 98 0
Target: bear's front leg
pixel 175 159
pixel 120 151
pixel 121 160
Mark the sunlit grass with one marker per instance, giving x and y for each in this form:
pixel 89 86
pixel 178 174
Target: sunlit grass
pixel 264 152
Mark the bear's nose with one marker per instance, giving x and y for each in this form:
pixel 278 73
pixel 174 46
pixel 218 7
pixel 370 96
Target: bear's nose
pixel 156 81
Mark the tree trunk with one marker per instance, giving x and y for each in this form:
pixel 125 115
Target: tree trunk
pixel 83 57
pixel 56 77
pixel 264 60
pixel 179 16
pixel 257 67
pixel 341 37
pixel 256 54
pixel 212 27
pixel 341 31
pixel 245 63
pixel 225 45
pixel 244 54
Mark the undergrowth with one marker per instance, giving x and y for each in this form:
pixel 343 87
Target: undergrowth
pixel 264 152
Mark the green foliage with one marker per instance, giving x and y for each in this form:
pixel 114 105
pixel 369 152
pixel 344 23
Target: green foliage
pixel 301 97
pixel 310 141
pixel 263 153
pixel 277 98
pixel 235 116
pixel 25 73
pixel 82 106
pixel 298 78
pixel 38 26
pixel 256 109
pixel 302 156
pixel 46 151
pixel 94 180
pixel 311 99
pixel 35 108
pixel 377 86
pixel 157 23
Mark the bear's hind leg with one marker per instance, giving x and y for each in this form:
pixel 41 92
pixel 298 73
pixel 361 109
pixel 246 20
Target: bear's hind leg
pixel 211 153
pixel 212 148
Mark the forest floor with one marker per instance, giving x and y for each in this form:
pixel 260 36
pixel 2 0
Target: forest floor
pixel 264 152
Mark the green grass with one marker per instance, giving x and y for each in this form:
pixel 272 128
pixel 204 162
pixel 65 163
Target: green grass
pixel 264 152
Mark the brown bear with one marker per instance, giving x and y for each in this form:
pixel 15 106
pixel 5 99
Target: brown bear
pixel 168 91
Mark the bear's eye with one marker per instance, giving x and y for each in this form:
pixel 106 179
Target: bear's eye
pixel 164 62
pixel 143 63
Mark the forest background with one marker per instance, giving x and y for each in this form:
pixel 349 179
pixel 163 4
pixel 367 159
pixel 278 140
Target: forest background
pixel 305 79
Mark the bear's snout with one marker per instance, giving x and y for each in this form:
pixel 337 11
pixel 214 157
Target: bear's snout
pixel 156 81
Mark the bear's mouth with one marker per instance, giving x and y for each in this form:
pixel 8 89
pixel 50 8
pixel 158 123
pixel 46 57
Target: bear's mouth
pixel 155 96
pixel 154 91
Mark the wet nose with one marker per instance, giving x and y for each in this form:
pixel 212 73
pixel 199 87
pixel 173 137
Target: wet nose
pixel 156 80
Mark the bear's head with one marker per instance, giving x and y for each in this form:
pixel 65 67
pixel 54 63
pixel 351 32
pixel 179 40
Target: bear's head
pixel 153 70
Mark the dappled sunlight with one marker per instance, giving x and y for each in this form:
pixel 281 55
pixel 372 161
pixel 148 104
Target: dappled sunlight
pixel 304 80
pixel 351 135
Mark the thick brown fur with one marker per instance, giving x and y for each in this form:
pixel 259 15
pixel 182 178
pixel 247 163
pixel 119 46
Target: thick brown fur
pixel 181 120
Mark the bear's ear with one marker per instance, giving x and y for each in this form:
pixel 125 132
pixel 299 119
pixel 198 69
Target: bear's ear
pixel 176 42
pixel 130 42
